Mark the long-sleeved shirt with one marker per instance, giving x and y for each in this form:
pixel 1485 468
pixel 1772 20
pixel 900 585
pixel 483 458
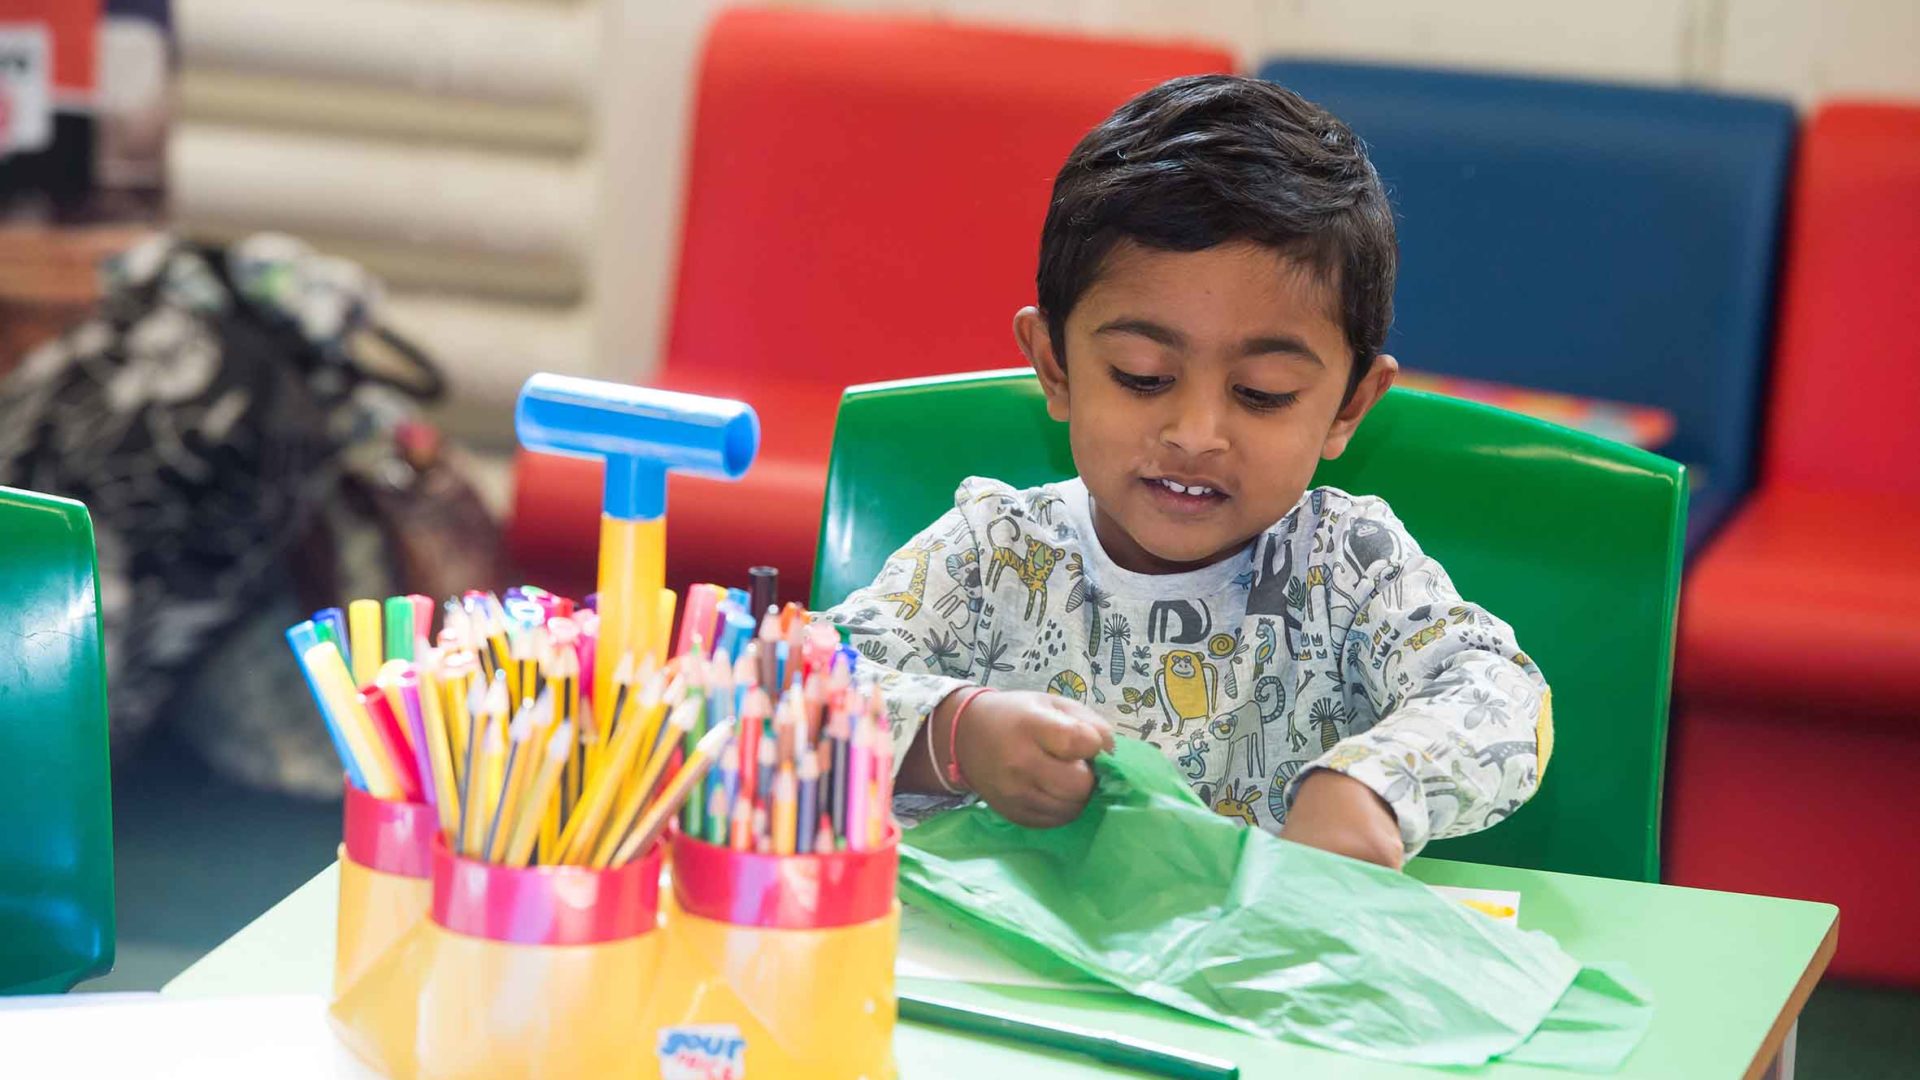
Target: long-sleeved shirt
pixel 1330 642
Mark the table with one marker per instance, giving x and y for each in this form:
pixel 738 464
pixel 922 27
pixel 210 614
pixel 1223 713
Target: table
pixel 1729 974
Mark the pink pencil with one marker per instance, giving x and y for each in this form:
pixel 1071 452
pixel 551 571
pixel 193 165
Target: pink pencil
pixel 859 767
pixel 409 684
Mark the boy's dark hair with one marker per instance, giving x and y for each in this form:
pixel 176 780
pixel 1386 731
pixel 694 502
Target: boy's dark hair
pixel 1207 159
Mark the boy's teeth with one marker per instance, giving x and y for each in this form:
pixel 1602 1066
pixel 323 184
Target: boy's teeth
pixel 1184 489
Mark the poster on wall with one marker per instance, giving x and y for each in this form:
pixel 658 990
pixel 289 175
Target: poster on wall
pixel 83 109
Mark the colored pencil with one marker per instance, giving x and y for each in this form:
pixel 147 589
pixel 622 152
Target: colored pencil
pixel 756 735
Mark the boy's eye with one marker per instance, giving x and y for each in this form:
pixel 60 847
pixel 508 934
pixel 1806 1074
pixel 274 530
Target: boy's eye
pixel 1141 384
pixel 1262 401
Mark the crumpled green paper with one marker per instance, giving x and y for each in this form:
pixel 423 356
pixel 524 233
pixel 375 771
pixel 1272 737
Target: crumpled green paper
pixel 1157 895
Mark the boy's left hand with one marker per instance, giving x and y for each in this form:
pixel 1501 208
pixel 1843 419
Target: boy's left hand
pixel 1340 814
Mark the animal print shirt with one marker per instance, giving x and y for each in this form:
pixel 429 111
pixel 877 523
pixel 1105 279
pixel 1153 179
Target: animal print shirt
pixel 1330 642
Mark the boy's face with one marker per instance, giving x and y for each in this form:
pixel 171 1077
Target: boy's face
pixel 1200 389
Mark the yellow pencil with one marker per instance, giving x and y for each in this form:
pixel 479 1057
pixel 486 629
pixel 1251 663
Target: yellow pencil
pixel 440 754
pixel 648 829
pixel 552 812
pixel 523 737
pixel 489 765
pixel 657 741
pixel 458 669
pixel 363 633
pixel 491 780
pixel 539 796
pixel 785 809
pixel 634 798
pixel 331 676
pixel 591 813
pixel 517 681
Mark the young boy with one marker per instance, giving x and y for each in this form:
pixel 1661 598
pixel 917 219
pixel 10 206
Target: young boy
pixel 1215 284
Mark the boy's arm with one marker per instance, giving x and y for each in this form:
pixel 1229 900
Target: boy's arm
pixel 1465 717
pixel 1025 753
pixel 913 627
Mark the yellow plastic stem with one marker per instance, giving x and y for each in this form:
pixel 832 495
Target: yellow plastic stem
pixel 632 575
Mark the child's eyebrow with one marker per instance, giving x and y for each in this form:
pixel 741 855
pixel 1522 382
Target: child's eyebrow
pixel 1146 328
pixel 1284 343
pixel 1264 345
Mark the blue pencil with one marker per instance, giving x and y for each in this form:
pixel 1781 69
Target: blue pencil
pixel 809 772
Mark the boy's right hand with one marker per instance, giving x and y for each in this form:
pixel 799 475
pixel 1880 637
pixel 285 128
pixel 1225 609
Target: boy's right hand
pixel 1027 753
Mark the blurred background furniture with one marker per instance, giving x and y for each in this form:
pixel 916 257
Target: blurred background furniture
pixel 1795 744
pixel 913 159
pixel 1606 240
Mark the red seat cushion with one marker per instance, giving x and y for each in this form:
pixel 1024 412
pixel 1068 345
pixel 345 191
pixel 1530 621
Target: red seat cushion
pixel 864 200
pixel 1807 598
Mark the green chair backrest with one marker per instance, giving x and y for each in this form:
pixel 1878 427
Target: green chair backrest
pixel 56 844
pixel 1574 540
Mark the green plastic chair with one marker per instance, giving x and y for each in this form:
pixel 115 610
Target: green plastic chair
pixel 56 847
pixel 1575 540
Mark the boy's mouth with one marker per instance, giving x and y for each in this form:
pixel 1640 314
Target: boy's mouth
pixel 1184 495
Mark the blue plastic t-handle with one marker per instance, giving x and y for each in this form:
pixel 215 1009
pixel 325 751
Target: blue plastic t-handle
pixel 640 432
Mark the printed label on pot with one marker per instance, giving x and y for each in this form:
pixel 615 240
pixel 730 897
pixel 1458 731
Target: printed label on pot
pixel 703 1052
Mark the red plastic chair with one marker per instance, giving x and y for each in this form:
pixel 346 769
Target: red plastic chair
pixel 1795 746
pixel 864 199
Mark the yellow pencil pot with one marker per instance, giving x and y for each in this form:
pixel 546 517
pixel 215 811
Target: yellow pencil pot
pixel 777 966
pixel 384 884
pixel 519 972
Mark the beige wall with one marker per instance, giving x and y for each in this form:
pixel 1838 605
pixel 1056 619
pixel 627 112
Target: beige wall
pixel 603 109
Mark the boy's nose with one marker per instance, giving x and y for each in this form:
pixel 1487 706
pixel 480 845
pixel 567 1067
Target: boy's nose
pixel 1197 426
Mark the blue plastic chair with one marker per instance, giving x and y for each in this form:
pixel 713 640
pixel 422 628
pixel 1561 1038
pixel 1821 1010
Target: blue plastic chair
pixel 56 847
pixel 1612 241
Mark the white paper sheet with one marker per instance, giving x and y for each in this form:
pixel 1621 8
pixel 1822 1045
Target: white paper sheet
pixel 161 1038
pixel 1497 904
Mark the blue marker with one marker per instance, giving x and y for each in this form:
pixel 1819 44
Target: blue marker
pixel 736 630
pixel 331 624
pixel 302 638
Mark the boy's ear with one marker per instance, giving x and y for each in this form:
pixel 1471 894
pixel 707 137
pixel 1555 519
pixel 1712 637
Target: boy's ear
pixel 1372 385
pixel 1036 344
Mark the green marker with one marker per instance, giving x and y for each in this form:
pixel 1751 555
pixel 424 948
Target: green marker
pixel 399 628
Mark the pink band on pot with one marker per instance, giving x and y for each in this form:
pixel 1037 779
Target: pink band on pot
pixel 785 892
pixel 388 835
pixel 545 905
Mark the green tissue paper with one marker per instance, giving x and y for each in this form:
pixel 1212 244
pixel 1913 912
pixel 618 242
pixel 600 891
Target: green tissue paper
pixel 1153 893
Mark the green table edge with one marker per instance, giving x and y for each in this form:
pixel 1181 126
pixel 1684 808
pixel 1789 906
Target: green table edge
pixel 1792 940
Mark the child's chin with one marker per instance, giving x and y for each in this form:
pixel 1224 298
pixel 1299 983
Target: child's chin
pixel 1191 551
